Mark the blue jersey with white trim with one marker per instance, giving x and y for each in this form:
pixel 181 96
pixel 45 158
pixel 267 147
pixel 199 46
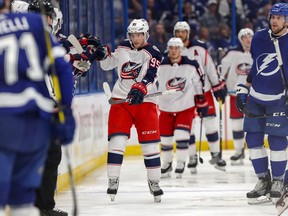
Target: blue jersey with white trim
pixel 265 75
pixel 24 64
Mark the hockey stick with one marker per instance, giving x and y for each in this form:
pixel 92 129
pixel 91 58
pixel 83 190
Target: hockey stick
pixel 75 43
pixel 280 64
pixel 220 105
pixel 200 141
pixel 58 96
pixel 111 101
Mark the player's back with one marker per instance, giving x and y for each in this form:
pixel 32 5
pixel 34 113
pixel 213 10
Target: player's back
pixel 22 59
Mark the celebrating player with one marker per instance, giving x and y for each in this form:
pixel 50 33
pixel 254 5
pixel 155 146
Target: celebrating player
pixel 137 65
pixel 26 108
pixel 236 65
pixel 263 100
pixel 177 110
pixel 196 50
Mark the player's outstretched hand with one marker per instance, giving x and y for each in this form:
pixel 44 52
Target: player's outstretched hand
pixel 64 132
pixel 137 93
pixel 220 91
pixel 201 105
pixel 241 96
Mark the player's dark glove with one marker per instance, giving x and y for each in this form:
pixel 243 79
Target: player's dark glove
pixel 102 52
pixel 137 93
pixel 80 62
pixel 201 105
pixel 220 91
pixel 89 39
pixel 64 132
pixel 241 96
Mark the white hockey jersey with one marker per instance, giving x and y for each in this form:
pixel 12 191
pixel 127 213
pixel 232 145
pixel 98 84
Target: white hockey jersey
pixel 183 77
pixel 133 66
pixel 197 50
pixel 236 65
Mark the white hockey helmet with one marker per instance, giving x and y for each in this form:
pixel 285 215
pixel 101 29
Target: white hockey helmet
pixel 244 32
pixel 19 6
pixel 175 42
pixel 138 26
pixel 57 22
pixel 181 25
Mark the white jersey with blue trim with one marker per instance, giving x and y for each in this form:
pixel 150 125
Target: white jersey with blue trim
pixel 133 65
pixel 236 65
pixel 183 77
pixel 265 75
pixel 197 50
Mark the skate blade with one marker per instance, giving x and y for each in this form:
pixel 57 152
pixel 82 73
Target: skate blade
pixel 179 175
pixel 166 175
pixel 222 168
pixel 157 199
pixel 281 206
pixel 193 170
pixel 237 163
pixel 259 201
pixel 112 197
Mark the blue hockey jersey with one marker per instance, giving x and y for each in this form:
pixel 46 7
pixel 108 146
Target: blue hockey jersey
pixel 24 65
pixel 265 76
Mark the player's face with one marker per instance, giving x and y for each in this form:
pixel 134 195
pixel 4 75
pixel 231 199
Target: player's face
pixel 174 52
pixel 137 39
pixel 183 34
pixel 246 41
pixel 277 23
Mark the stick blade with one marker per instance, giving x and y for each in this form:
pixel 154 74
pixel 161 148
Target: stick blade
pixel 107 90
pixel 73 40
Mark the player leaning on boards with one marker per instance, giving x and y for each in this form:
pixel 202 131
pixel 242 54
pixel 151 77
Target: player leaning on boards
pixel 264 95
pixel 236 65
pixel 177 110
pixel 137 65
pixel 197 50
pixel 26 107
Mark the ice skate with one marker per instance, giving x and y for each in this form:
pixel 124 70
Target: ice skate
pixel 260 193
pixel 193 162
pixel 218 162
pixel 179 169
pixel 237 158
pixel 155 190
pixel 276 188
pixel 113 185
pixel 282 203
pixel 166 170
pixel 53 212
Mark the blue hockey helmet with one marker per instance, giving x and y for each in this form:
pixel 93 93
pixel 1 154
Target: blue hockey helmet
pixel 280 9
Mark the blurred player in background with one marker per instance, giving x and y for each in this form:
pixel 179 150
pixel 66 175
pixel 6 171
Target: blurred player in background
pixel 236 65
pixel 197 50
pixel 177 109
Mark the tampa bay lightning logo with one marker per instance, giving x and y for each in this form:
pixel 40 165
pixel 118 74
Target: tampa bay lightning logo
pixel 243 68
pixel 177 83
pixel 267 64
pixel 130 70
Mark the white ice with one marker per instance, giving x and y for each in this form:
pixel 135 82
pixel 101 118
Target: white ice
pixel 210 192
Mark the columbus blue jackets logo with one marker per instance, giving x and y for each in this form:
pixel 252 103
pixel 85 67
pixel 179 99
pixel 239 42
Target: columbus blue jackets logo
pixel 243 68
pixel 177 83
pixel 267 64
pixel 130 70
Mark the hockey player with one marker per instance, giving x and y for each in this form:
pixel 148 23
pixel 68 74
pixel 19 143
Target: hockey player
pixel 177 110
pixel 26 108
pixel 265 96
pixel 196 50
pixel 236 65
pixel 137 65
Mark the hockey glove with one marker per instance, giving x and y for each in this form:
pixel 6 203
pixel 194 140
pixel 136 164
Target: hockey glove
pixel 64 132
pixel 137 93
pixel 89 39
pixel 220 91
pixel 201 105
pixel 241 96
